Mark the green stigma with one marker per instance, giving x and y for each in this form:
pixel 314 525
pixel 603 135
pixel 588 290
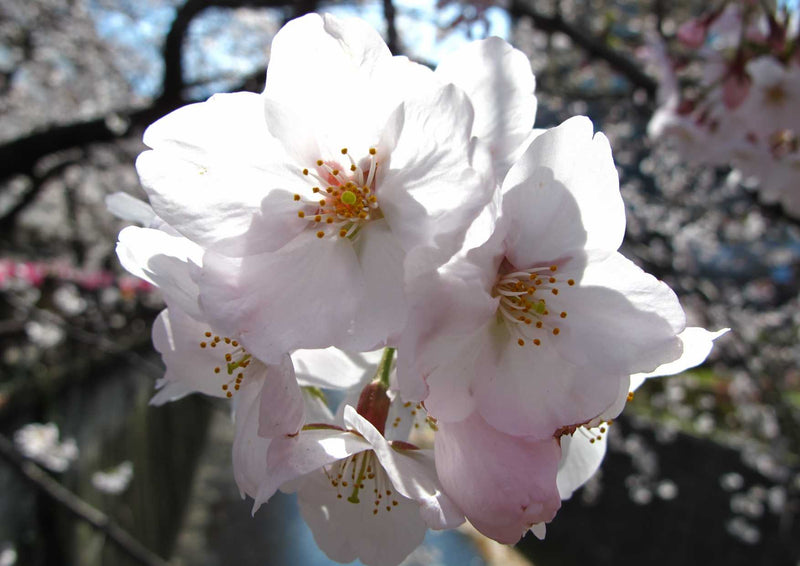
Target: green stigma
pixel 348 197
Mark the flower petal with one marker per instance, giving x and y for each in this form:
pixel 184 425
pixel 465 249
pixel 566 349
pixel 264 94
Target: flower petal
pixel 499 82
pixel 281 405
pixel 165 261
pixel 331 368
pixel 562 197
pixel 304 296
pixel 382 309
pixel 504 484
pixel 291 457
pixel 178 337
pixel 347 531
pixel 580 459
pixel 429 192
pixel 697 344
pixel 533 391
pixel 413 474
pixel 620 319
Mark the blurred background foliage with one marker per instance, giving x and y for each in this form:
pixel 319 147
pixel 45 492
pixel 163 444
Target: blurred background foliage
pixel 702 468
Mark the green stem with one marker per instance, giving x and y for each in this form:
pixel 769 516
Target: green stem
pixel 385 367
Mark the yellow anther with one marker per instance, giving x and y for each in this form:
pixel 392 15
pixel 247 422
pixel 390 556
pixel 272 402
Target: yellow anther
pixel 305 171
pixel 554 291
pixel 372 151
pixel 329 220
pixel 537 341
pixel 315 190
pixel 556 331
pixel 570 282
pixel 319 162
pixel 322 202
pixel 553 267
pixel 344 151
pixel 203 344
pixel 208 335
pixel 335 171
pixel 301 214
pixel 320 234
pixel 318 218
pixel 563 315
pixel 342 233
pixel 217 370
pixel 521 342
pixel 353 168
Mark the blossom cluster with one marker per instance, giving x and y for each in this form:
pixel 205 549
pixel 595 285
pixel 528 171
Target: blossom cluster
pixel 403 235
pixel 729 94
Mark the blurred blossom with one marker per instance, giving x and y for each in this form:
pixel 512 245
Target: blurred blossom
pixel 44 334
pixel 114 480
pixel 40 442
pixel 8 554
pixel 741 529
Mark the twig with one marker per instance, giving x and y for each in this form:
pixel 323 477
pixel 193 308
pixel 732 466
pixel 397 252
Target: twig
pixel 584 40
pixel 77 506
pixel 393 39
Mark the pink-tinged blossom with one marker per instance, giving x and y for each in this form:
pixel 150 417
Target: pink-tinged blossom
pixel 539 329
pixel 363 497
pixel 307 198
pixel 504 484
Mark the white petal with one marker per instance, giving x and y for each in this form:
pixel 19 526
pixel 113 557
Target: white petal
pixel 127 207
pixel 291 457
pixel 697 344
pixel 177 337
pixel 281 406
pixel 580 459
pixel 249 449
pixel 212 166
pixel 382 310
pixel 620 319
pixel 499 82
pixel 533 391
pixel 164 260
pixel 332 368
pixel 429 192
pixel 413 474
pixel 347 531
pixel 563 197
pixel 304 296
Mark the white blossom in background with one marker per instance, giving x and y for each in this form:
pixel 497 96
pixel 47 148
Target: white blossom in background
pixel 115 480
pixel 735 101
pixel 40 442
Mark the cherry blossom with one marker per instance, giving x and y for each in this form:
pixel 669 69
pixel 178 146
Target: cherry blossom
pixel 539 328
pixel 363 496
pixel 306 199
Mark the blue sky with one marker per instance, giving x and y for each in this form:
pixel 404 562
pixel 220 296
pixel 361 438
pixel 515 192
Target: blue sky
pixel 226 44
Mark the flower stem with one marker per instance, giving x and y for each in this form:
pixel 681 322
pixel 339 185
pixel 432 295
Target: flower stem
pixel 385 367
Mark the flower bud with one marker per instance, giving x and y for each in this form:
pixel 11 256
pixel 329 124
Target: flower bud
pixel 373 404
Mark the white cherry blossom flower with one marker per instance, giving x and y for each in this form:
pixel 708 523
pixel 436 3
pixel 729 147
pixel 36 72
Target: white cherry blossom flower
pixel 362 496
pixel 539 329
pixel 308 197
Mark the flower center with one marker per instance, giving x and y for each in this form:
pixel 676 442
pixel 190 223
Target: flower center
pixel 524 306
pixel 362 476
pixel 342 198
pixel 237 360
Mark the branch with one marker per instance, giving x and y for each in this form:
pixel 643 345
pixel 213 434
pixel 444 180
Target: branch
pixel 593 48
pixel 77 506
pixel 393 39
pixel 173 82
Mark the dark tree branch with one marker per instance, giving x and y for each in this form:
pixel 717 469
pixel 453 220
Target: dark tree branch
pixel 581 38
pixel 77 506
pixel 393 39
